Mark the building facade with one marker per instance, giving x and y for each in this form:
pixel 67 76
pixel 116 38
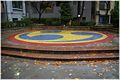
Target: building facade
pixel 12 10
pixel 101 9
pixel 93 10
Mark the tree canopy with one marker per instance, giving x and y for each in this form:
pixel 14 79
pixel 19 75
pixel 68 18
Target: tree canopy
pixel 115 11
pixel 65 12
pixel 115 14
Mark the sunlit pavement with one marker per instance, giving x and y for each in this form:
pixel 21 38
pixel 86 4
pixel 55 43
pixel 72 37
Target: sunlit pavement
pixel 20 68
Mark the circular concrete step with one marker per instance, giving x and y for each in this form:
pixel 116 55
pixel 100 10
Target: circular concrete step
pixel 61 55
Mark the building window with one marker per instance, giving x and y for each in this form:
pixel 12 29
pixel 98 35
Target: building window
pixel 104 5
pixel 17 4
pixel 14 19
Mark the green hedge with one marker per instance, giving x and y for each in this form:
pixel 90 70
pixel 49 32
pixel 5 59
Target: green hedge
pixel 56 23
pixel 75 23
pixel 65 20
pixel 87 23
pixel 7 24
pixel 53 21
pixel 34 20
pixel 115 22
pixel 47 21
pixel 21 23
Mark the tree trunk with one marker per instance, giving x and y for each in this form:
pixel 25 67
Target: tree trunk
pixel 83 3
pixel 78 9
pixel 39 17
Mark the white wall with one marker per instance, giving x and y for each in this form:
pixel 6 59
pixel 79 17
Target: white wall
pixel 15 13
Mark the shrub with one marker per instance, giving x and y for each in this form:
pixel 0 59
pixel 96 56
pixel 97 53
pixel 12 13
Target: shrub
pixel 115 22
pixel 48 21
pixel 75 23
pixel 35 20
pixel 65 20
pixel 56 23
pixel 53 21
pixel 75 19
pixel 20 23
pixel 23 23
pixel 6 24
pixel 87 23
pixel 43 20
pixel 91 23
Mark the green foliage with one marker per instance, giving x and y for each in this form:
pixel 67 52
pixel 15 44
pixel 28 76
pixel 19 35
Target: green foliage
pixel 6 24
pixel 115 14
pixel 75 23
pixel 115 11
pixel 35 20
pixel 21 23
pixel 47 21
pixel 65 12
pixel 87 23
pixel 43 20
pixel 56 23
pixel 53 21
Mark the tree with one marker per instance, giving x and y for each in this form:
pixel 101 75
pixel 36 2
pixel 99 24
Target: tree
pixel 115 14
pixel 65 12
pixel 81 14
pixel 115 11
pixel 40 7
pixel 80 9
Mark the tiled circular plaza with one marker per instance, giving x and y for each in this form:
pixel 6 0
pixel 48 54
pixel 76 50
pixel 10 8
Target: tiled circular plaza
pixel 52 44
pixel 60 38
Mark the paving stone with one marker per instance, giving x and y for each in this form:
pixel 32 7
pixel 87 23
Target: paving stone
pixel 26 69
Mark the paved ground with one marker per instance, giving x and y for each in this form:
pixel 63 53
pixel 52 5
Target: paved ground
pixel 19 68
